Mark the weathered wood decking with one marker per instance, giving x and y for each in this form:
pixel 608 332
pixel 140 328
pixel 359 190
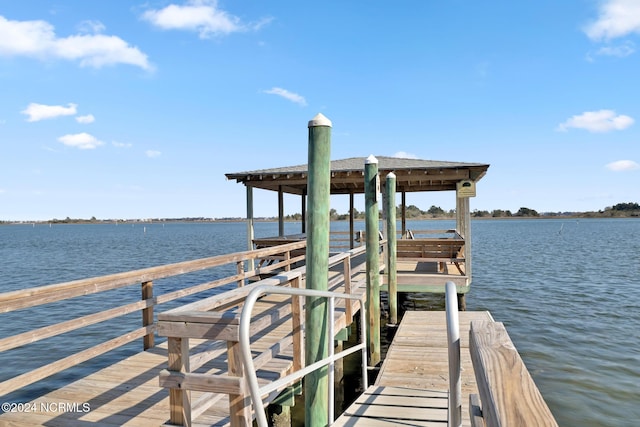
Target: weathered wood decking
pixel 127 393
pixel 413 384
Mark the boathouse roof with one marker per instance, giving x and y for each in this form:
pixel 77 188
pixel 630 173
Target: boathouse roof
pixel 347 175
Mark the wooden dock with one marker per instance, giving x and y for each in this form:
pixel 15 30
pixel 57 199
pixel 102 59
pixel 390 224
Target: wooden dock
pixel 128 393
pixel 413 384
pixel 197 375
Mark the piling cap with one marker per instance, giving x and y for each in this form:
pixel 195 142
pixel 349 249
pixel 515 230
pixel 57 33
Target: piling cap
pixel 391 175
pixel 319 120
pixel 370 160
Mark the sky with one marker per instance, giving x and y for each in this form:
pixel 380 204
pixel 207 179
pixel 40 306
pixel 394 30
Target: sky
pixel 125 109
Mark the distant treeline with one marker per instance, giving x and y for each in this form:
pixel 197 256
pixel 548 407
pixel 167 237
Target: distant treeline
pixel 413 212
pixel 620 210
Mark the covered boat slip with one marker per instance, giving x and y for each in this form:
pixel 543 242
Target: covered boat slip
pixel 426 259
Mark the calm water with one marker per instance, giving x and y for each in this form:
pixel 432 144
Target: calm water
pixel 565 289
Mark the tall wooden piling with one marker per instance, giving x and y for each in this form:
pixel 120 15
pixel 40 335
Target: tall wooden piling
pixel 372 229
pixel 317 339
pixel 392 276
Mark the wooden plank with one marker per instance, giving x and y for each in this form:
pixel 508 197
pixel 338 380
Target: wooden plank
pixel 418 356
pixel 201 382
pixel 385 406
pixel 507 392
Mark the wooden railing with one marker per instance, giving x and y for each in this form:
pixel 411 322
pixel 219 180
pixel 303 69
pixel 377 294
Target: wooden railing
pixel 339 241
pixel 508 395
pixel 39 296
pixel 217 320
pixel 246 322
pixel 449 247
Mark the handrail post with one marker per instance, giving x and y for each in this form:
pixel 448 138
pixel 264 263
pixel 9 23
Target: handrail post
pixel 239 408
pixel 348 311
pixel 453 341
pixel 287 259
pixel 296 318
pixel 147 314
pixel 240 271
pixel 179 400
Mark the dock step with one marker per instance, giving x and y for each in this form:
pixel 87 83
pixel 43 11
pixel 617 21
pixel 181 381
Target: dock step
pixel 392 406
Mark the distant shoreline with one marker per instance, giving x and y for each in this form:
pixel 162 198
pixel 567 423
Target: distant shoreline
pixel 585 215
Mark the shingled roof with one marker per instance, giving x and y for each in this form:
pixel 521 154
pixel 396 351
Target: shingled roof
pixel 347 175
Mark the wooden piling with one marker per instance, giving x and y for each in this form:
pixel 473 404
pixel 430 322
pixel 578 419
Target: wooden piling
pixel 390 209
pixel 316 337
pixel 372 230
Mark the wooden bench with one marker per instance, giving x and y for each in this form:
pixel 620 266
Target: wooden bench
pixel 440 250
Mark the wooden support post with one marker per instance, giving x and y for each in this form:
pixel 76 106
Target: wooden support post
pixel 280 211
pixel 147 314
pixel 351 222
pixel 463 225
pixel 404 213
pixel 372 230
pixel 250 230
pixel 316 326
pixel 303 209
pixel 239 407
pixel 179 400
pixel 392 275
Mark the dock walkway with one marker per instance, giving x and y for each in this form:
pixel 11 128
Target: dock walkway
pixel 127 393
pixel 412 386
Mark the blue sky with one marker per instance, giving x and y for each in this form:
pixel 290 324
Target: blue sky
pixel 120 109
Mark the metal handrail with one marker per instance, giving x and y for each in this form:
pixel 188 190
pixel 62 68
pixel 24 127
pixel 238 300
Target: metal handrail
pixel 247 360
pixel 453 345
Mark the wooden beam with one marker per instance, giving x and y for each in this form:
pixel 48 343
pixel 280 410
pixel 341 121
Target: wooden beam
pixel 508 394
pixel 179 398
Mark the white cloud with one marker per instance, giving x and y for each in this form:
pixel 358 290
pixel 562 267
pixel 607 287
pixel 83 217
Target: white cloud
pixel 597 121
pixel 86 119
pixel 617 18
pixel 293 97
pixel 37 112
pixel 91 27
pixel 152 153
pixel 623 165
pixel 83 141
pixel 620 51
pixel 201 16
pixel 121 144
pixel 37 39
pixel 404 155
